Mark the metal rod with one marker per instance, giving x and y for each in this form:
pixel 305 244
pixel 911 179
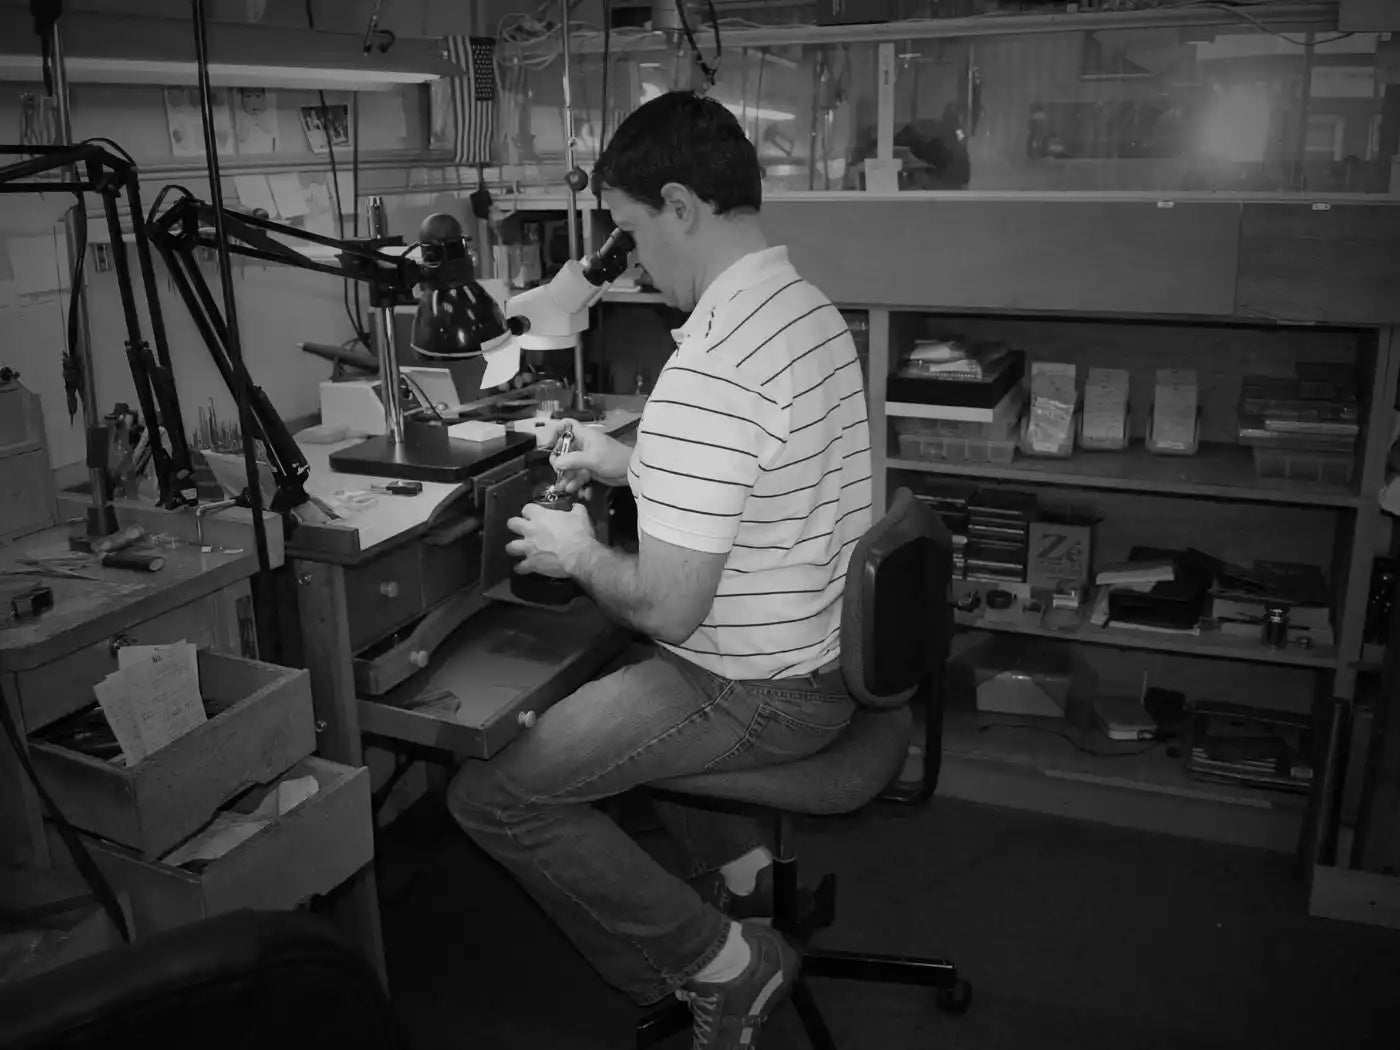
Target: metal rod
pixel 242 394
pixel 570 160
pixel 92 419
pixel 386 345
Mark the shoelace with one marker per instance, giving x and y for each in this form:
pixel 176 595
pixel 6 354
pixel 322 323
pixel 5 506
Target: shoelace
pixel 704 1009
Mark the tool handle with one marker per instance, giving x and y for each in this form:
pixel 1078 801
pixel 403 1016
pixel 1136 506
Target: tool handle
pixel 125 538
pixel 133 560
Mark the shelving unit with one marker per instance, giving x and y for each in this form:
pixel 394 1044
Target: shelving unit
pixel 1218 470
pixel 1205 644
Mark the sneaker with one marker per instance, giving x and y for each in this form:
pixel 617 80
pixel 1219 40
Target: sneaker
pixel 728 1015
pixel 756 906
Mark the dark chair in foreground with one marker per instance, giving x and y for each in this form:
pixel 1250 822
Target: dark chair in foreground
pixel 244 979
pixel 895 631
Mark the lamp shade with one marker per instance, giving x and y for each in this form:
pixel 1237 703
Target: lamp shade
pixel 457 321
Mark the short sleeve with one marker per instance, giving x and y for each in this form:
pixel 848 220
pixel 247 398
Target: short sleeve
pixel 705 436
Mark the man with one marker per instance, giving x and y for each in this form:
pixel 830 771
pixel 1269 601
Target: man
pixel 751 474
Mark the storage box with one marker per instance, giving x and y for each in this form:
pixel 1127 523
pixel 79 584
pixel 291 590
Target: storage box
pixel 260 725
pixel 1328 468
pixel 308 851
pixel 934 447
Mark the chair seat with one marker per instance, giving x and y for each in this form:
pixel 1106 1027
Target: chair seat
pixel 846 775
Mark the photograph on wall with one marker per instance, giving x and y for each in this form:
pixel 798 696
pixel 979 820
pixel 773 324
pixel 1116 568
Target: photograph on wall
pixel 326 127
pixel 255 120
pixel 186 126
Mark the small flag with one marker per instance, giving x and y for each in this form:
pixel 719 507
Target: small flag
pixel 474 97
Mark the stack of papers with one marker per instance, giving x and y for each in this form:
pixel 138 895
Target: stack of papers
pixel 152 698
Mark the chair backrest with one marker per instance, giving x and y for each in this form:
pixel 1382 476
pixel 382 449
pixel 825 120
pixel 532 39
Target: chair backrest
pixel 895 619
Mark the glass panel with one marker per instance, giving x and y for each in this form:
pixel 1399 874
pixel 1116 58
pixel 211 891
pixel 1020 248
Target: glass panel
pixel 1201 108
pixel 801 106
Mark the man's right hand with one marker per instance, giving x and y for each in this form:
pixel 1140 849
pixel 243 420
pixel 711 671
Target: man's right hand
pixel 594 457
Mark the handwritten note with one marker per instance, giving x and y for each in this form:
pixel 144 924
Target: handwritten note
pixel 152 699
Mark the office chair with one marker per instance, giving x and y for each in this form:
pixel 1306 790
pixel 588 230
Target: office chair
pixel 242 980
pixel 895 630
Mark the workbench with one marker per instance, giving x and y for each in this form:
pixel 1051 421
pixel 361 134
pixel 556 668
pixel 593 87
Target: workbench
pixel 412 638
pixel 259 734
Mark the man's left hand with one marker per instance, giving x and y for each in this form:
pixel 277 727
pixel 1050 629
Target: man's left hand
pixel 549 540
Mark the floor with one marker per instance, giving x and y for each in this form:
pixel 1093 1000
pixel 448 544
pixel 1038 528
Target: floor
pixel 1075 936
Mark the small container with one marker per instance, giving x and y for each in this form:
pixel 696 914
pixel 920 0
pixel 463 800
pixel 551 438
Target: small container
pixel 535 587
pixel 1275 633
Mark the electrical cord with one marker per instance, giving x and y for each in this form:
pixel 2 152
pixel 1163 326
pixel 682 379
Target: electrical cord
pixel 1158 742
pixel 351 311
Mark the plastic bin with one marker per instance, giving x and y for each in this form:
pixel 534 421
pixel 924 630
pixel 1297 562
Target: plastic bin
pixel 936 448
pixel 1327 468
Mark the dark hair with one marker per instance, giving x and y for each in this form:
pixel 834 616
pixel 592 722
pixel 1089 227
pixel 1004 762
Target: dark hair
pixel 684 138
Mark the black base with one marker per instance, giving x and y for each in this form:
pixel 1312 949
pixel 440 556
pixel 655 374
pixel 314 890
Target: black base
pixel 428 454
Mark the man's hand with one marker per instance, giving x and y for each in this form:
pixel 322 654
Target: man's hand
pixel 550 540
pixel 595 456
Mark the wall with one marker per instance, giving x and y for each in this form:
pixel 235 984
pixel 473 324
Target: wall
pixel 278 307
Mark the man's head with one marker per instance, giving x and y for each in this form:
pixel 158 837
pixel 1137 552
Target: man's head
pixel 681 176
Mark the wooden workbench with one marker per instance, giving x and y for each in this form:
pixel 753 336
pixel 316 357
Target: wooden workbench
pixel 48 664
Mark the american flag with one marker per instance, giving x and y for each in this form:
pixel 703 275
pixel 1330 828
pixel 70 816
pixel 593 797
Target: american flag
pixel 474 97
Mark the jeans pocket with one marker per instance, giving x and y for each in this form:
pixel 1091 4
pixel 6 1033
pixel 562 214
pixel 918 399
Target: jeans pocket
pixel 755 732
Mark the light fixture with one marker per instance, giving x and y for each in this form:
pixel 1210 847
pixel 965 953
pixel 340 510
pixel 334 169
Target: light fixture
pixel 103 49
pixel 456 317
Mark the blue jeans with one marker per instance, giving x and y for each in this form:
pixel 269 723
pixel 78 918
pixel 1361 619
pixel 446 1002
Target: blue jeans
pixel 643 929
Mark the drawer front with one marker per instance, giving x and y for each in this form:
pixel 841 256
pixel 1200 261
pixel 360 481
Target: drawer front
pixel 449 569
pixel 216 622
pixel 260 725
pixel 309 851
pixel 404 653
pixel 383 594
pixel 494 677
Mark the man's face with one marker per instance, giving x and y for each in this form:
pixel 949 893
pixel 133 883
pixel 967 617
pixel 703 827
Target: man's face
pixel 661 242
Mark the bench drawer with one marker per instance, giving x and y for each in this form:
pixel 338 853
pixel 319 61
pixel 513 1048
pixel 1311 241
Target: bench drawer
pixel 383 595
pixel 492 678
pixel 308 851
pixel 222 622
pixel 260 725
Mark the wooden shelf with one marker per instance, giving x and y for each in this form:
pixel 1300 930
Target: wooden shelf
pixel 1211 645
pixel 1026 763
pixel 1220 471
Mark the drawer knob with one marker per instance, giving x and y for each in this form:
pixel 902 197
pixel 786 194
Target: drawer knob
pixel 526 718
pixel 389 588
pixel 418 658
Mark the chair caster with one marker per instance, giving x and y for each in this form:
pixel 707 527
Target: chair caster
pixel 956 998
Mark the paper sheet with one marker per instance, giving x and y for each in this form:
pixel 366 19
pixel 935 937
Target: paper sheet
pixel 289 194
pixel 255 192
pixel 255 120
pixel 36 266
pixel 185 123
pixel 152 699
pixel 129 655
pixel 501 364
pixel 229 829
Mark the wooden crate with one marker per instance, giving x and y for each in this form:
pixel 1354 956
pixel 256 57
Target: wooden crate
pixel 260 725
pixel 307 852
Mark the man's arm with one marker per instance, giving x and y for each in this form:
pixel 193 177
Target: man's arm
pixel 663 591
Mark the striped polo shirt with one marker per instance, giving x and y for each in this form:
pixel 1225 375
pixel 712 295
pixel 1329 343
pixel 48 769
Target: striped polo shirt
pixel 754 444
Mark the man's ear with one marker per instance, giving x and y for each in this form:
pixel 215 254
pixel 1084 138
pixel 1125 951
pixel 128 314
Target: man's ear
pixel 680 203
